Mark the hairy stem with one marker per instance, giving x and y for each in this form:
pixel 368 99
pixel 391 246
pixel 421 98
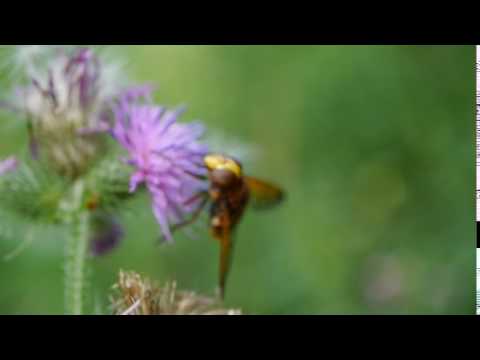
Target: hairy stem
pixel 75 267
pixel 76 255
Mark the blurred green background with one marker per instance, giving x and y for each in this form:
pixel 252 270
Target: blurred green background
pixel 375 148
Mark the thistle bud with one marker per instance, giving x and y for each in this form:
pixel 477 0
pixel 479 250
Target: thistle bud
pixel 65 103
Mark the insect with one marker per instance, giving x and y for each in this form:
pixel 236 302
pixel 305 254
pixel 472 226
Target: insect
pixel 230 191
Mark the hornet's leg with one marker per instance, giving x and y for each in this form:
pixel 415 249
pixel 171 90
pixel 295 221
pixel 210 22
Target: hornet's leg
pixel 221 230
pixel 204 199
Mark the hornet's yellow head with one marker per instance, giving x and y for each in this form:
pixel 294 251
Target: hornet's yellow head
pixel 220 162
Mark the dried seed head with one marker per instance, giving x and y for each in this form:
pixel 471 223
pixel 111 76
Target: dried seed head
pixel 136 295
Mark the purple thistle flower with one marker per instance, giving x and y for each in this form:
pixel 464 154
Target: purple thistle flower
pixel 66 93
pixel 7 165
pixel 166 155
pixel 65 102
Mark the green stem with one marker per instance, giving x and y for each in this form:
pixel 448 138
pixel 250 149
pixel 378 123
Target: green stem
pixel 76 252
pixel 75 267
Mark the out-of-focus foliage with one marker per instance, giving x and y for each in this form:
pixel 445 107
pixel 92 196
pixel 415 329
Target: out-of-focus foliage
pixel 375 148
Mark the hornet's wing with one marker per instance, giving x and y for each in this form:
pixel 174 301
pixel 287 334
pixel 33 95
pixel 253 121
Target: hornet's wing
pixel 263 194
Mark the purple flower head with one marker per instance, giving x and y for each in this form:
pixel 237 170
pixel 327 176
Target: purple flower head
pixel 9 164
pixel 166 155
pixel 65 102
pixel 67 93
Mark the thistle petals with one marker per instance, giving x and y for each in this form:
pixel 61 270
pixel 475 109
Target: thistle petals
pixel 167 156
pixel 65 103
